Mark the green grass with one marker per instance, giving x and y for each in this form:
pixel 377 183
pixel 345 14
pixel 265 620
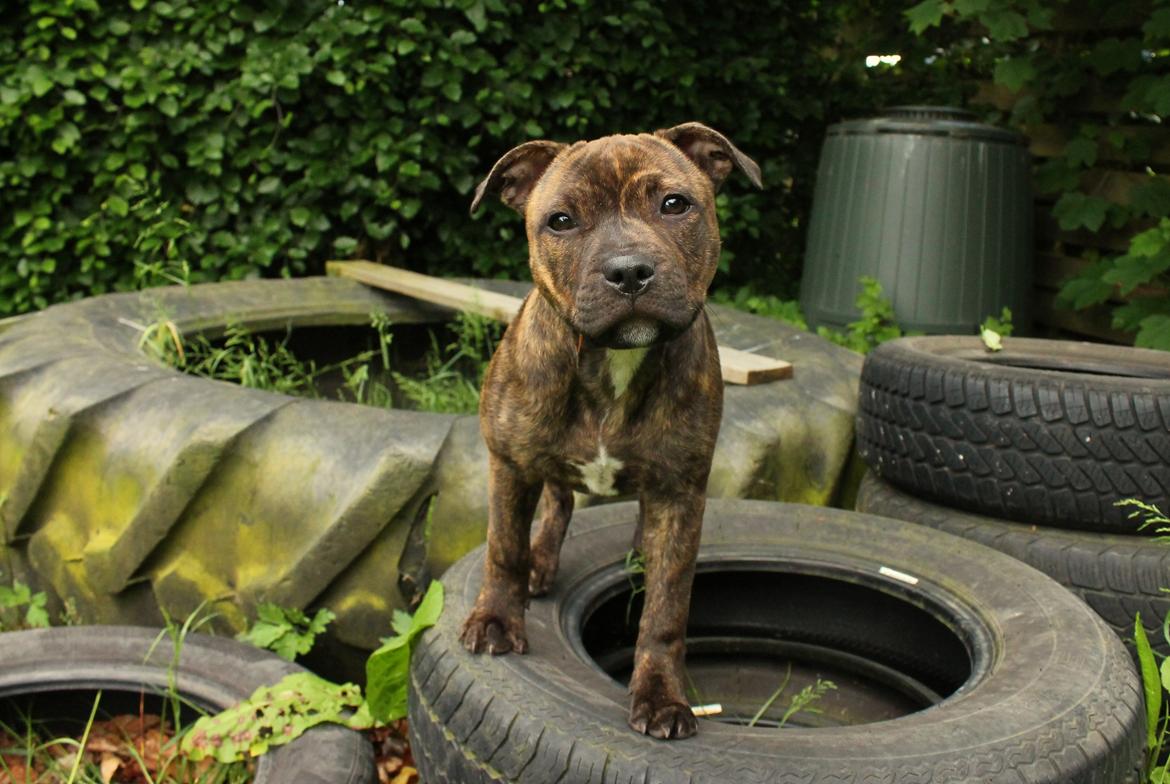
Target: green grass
pixel 449 382
pixel 1155 676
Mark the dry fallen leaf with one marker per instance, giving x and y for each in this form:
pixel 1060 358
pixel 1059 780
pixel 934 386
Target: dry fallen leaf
pixel 109 766
pixel 407 775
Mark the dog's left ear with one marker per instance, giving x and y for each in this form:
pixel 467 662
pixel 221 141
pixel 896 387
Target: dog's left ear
pixel 711 151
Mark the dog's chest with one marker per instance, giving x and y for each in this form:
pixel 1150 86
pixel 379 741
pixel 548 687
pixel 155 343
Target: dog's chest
pixel 600 475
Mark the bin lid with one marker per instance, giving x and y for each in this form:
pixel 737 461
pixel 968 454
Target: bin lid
pixel 928 121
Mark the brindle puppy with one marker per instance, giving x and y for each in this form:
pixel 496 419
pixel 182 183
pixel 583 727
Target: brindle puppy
pixel 607 381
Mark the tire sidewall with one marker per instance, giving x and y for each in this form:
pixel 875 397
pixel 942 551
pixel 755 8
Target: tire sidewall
pixel 1035 624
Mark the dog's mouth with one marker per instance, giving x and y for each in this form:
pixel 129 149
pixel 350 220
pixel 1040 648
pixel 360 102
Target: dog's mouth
pixel 611 320
pixel 639 330
pixel 635 332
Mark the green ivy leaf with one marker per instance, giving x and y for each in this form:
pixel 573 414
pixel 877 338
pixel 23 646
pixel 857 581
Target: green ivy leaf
pixel 1005 25
pixel 1154 332
pixel 1078 210
pixel 1158 25
pixel 1131 271
pixel 1157 94
pixel 1151 242
pixel 1112 55
pixel 1081 151
pixel 1129 317
pixel 1151 197
pixel 1086 288
pixel 1015 73
pixel 924 15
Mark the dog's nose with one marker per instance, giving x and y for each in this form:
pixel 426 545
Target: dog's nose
pixel 628 274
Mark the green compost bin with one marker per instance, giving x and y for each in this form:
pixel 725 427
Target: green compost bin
pixel 934 205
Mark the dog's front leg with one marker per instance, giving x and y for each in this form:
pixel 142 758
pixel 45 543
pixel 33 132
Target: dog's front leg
pixel 555 508
pixel 670 543
pixel 496 623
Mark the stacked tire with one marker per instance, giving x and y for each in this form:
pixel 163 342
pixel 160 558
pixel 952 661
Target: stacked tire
pixel 1029 450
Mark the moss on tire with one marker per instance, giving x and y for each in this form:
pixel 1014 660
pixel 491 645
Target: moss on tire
pixel 129 487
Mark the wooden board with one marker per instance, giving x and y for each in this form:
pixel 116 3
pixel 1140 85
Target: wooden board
pixel 739 367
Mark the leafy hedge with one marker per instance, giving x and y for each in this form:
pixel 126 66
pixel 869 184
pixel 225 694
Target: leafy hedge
pixel 1096 70
pixel 261 139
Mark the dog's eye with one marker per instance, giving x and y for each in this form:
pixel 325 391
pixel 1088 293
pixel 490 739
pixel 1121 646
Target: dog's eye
pixel 559 221
pixel 675 204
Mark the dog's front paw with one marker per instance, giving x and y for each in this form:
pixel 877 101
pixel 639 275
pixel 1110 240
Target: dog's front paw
pixel 541 576
pixel 665 720
pixel 487 632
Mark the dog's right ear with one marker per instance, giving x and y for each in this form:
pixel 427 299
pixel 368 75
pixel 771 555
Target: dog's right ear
pixel 515 175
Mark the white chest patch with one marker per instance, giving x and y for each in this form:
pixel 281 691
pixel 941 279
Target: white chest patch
pixel 599 474
pixel 622 365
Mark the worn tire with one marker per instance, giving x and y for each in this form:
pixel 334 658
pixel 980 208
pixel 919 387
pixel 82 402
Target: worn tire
pixel 1053 698
pixel 127 487
pixel 1044 432
pixel 1118 576
pixel 214 673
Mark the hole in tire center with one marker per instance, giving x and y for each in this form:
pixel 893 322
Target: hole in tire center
pixel 64 711
pixel 345 362
pixel 753 630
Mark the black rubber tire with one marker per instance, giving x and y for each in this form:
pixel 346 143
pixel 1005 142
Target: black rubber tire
pixel 1045 432
pixel 1118 576
pixel 213 673
pixel 1054 697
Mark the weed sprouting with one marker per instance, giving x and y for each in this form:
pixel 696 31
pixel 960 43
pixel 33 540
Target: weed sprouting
pixel 876 325
pixel 635 568
pixel 286 631
pixel 22 608
pixel 1155 677
pixel 454 373
pixel 449 384
pixel 803 700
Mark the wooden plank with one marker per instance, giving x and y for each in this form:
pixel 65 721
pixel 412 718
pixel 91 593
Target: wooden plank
pixel 739 367
pixel 428 288
pixel 742 367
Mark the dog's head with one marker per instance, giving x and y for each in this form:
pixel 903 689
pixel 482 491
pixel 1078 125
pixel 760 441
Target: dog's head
pixel 622 233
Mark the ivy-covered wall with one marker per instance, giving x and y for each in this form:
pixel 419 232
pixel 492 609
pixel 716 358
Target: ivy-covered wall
pixel 1089 82
pixel 263 138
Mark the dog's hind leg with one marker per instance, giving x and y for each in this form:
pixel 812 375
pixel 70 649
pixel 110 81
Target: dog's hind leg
pixel 552 518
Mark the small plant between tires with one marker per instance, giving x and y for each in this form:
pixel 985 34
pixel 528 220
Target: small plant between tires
pixel 1155 675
